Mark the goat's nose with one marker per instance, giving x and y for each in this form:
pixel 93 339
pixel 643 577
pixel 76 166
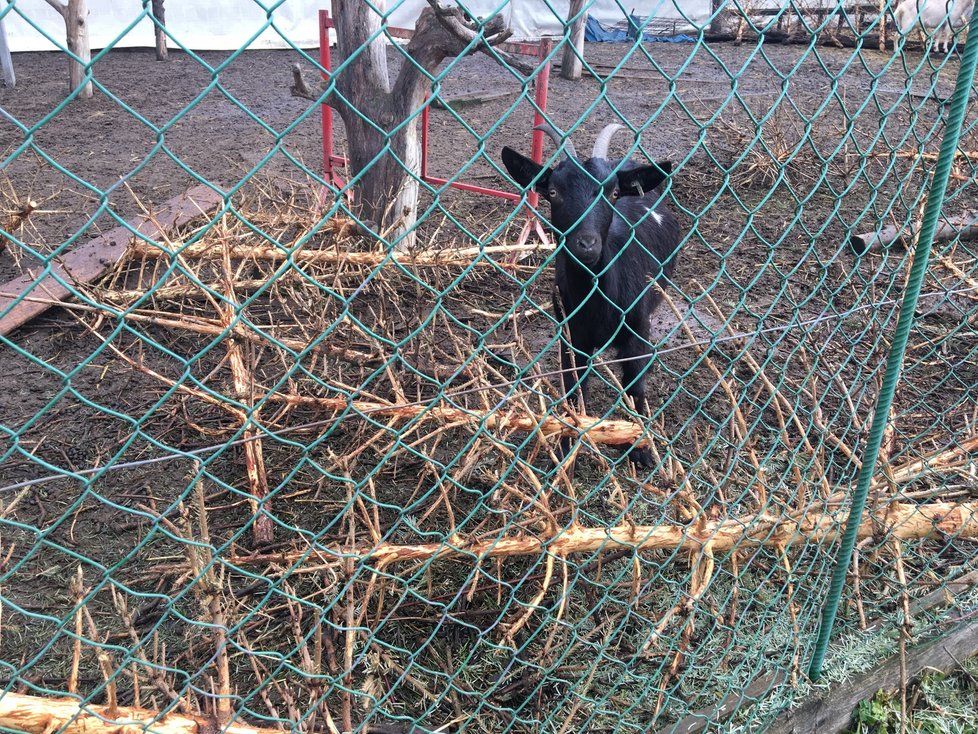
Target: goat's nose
pixel 587 243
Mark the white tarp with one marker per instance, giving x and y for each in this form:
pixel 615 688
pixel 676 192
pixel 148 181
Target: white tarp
pixel 231 24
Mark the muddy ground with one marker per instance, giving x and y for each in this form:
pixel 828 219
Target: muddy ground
pixel 781 153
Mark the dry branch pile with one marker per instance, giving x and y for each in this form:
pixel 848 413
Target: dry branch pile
pixel 382 426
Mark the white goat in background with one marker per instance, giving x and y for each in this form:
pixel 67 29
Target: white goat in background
pixel 946 17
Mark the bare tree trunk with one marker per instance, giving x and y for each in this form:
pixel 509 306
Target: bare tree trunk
pixel 571 64
pixel 883 26
pixel 159 14
pixel 75 14
pixel 716 22
pixel 381 119
pixel 388 184
pixel 6 62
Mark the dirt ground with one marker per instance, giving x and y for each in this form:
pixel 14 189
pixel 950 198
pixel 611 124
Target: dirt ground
pixel 781 153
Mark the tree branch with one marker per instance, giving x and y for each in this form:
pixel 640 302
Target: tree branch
pixel 465 29
pixel 299 87
pixel 439 33
pixel 442 32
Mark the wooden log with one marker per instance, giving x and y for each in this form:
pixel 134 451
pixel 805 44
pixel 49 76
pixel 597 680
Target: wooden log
pixel 717 10
pixel 775 36
pixel 37 715
pixel 87 262
pixel 902 520
pixel 76 23
pixel 965 226
pixel 571 65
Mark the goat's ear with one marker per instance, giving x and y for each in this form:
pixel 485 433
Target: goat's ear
pixel 642 179
pixel 524 170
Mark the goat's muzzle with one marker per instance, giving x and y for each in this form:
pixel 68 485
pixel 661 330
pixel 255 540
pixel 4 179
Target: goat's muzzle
pixel 586 247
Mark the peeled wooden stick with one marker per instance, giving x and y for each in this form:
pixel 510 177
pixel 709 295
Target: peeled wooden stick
pixel 277 254
pixel 609 432
pixel 968 155
pixel 901 520
pixel 200 325
pixel 37 715
pixel 968 280
pixel 244 387
pixel 959 457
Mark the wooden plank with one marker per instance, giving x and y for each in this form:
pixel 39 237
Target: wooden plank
pixel 472 99
pixel 708 718
pixel 865 8
pixel 831 711
pixel 88 261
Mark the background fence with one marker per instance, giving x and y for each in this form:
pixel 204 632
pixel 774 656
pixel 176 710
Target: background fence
pixel 262 467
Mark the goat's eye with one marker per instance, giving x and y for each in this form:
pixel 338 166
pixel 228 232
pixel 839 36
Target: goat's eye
pixel 614 194
pixel 552 194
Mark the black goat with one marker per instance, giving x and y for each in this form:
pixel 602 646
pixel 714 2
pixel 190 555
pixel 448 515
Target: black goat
pixel 617 239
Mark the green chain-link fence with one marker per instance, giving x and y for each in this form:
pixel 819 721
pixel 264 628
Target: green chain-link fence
pixel 285 465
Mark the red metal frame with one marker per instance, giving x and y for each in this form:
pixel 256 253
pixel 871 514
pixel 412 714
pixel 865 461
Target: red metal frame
pixel 329 160
pixel 541 50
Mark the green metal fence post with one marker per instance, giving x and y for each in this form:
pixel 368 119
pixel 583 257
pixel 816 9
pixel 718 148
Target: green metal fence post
pixel 894 362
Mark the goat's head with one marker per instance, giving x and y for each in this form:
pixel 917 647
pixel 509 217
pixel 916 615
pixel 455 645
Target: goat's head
pixel 583 194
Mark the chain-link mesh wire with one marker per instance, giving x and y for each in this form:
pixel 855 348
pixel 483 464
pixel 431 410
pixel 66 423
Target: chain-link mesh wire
pixel 293 464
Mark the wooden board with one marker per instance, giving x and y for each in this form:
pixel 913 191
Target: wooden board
pixel 794 720
pixel 470 100
pixel 831 711
pixel 88 261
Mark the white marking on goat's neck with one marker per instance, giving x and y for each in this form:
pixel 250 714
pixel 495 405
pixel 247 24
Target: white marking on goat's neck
pixel 655 215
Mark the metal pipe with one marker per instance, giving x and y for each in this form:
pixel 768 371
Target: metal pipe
pixel 894 361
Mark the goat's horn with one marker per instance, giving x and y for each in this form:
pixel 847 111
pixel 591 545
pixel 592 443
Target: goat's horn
pixel 604 140
pixel 552 133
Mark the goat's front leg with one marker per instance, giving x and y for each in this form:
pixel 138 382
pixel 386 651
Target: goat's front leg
pixel 636 357
pixel 574 378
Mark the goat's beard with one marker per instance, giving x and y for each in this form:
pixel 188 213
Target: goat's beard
pixel 584 261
